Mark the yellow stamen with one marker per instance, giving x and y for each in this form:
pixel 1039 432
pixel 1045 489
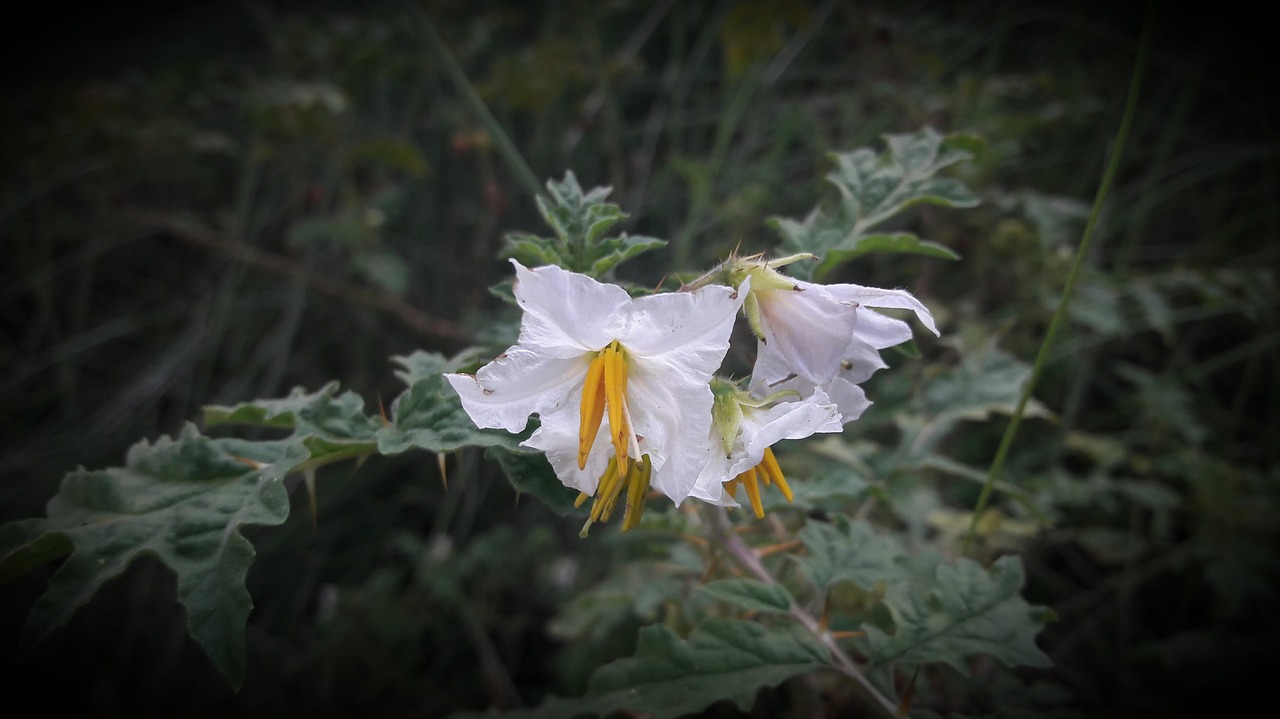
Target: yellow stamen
pixel 732 487
pixel 637 492
pixel 611 486
pixel 615 389
pixel 774 472
pixel 591 410
pixel 748 479
pixel 768 472
pixel 606 489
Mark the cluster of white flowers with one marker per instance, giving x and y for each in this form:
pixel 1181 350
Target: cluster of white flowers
pixel 626 389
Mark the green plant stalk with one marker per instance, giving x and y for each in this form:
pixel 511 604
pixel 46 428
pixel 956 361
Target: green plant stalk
pixel 1108 177
pixel 515 161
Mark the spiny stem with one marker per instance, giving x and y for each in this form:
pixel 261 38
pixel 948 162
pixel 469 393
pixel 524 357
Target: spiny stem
pixel 1104 189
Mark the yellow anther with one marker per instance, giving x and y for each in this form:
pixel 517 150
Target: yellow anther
pixel 768 472
pixel 637 492
pixel 606 492
pixel 748 479
pixel 615 388
pixel 773 472
pixel 732 487
pixel 591 410
pixel 610 488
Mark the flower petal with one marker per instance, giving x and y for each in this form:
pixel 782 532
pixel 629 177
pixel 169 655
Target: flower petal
pixel 849 398
pixel 709 486
pixel 558 438
pixel 566 313
pixel 687 332
pixel 860 361
pixel 674 420
pixel 876 297
pixel 762 429
pixel 808 327
pixel 880 331
pixel 518 383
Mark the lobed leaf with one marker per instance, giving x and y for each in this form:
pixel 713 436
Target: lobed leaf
pixel 580 222
pixel 531 473
pixel 323 412
pixel 949 612
pixel 874 188
pixel 669 676
pixel 750 594
pixel 848 551
pixel 180 499
pixel 429 414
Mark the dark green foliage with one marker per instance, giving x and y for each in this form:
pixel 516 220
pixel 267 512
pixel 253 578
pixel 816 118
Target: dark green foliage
pixel 207 205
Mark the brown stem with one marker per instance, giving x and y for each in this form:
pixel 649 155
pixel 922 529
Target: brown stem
pixel 749 560
pixel 192 233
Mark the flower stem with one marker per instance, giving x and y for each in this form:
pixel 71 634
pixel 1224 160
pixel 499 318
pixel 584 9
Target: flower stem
pixel 747 558
pixel 1104 189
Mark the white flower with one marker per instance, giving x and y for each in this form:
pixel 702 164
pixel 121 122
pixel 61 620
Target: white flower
pixel 620 383
pixel 742 437
pixel 820 336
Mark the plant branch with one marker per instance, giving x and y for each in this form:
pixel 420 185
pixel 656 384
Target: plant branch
pixel 194 234
pixel 747 558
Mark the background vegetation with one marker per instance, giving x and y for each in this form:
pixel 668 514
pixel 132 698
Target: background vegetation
pixel 215 204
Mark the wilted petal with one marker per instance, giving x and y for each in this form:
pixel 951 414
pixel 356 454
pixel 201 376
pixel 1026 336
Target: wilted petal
pixel 759 430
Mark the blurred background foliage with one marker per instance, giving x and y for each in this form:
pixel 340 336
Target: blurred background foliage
pixel 212 204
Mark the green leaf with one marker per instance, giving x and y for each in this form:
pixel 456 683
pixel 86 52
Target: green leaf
pixel 750 594
pixel 338 417
pixel 988 380
pixel 579 221
pixel 820 233
pixel 613 251
pixel 531 473
pixel 532 251
pixel 874 188
pixel 421 365
pixel 327 427
pixel 820 491
pixel 429 414
pixel 949 612
pixel 182 500
pixel 669 676
pixel 848 551
pixel 24 545
pixel 900 242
